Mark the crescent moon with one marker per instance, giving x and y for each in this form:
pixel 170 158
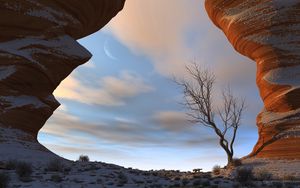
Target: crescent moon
pixel 107 52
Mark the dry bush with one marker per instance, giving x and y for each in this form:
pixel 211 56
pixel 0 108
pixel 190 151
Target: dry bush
pixel 24 171
pixel 55 165
pixel 84 158
pixel 216 170
pixel 263 175
pixel 236 162
pixel 4 180
pixel 244 175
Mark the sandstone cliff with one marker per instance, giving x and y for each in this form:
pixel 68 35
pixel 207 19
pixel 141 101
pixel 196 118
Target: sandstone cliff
pixel 268 31
pixel 38 49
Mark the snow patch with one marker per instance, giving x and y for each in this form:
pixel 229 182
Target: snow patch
pixel 41 11
pixel 284 76
pixel 45 14
pixel 64 46
pixel 23 100
pixel 290 133
pixel 284 41
pixel 14 141
pixel 279 168
pixel 50 14
pixel 270 118
pixel 6 71
pixel 51 98
pixel 279 37
pixel 243 13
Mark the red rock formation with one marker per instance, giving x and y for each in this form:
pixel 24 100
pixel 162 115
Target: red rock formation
pixel 38 49
pixel 268 31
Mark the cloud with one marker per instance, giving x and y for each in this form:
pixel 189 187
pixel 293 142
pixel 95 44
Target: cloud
pixel 66 126
pixel 157 28
pixel 170 33
pixel 89 150
pixel 130 132
pixel 124 141
pixel 107 91
pixel 173 32
pixel 89 64
pixel 172 120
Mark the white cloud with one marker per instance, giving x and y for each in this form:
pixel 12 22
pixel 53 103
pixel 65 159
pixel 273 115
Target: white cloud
pixel 89 64
pixel 109 91
pixel 71 130
pixel 174 32
pixel 157 28
pixel 172 120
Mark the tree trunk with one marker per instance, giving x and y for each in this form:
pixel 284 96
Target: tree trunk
pixel 229 160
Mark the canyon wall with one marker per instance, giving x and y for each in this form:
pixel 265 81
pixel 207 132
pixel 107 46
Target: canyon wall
pixel 268 32
pixel 38 49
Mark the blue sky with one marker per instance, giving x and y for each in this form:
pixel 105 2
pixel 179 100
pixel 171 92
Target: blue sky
pixel 122 107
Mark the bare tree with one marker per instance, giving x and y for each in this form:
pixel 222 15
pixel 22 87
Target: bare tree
pixel 198 92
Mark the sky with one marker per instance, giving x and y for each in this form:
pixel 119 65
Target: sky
pixel 122 106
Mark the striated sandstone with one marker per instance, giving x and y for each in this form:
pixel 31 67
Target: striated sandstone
pixel 268 32
pixel 38 49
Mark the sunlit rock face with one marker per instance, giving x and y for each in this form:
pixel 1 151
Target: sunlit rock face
pixel 38 49
pixel 268 31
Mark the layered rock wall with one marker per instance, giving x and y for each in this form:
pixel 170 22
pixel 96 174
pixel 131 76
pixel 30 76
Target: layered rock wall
pixel 268 31
pixel 38 49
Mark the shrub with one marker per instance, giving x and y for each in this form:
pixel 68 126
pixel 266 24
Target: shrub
pixel 197 183
pixel 206 183
pixel 263 175
pixel 67 169
pixel 24 171
pixel 206 175
pixel 11 164
pixel 4 180
pixel 122 179
pixel 216 170
pixel 56 178
pixel 177 178
pixel 244 175
pixel 84 158
pixel 55 165
pixel 176 185
pixel 236 185
pixel 155 186
pixel 289 178
pixel 291 184
pixel 236 162
pixel 184 181
pixel 277 184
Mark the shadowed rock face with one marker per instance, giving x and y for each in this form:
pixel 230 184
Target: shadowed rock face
pixel 268 31
pixel 38 49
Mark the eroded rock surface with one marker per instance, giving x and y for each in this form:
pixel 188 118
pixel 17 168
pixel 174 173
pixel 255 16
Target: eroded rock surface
pixel 38 49
pixel 268 31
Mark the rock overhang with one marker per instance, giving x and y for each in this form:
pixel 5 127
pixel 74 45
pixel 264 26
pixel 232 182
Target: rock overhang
pixel 76 18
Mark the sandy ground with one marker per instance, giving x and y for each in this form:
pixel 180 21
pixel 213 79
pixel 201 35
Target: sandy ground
pixel 280 169
pixel 102 175
pixel 49 170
